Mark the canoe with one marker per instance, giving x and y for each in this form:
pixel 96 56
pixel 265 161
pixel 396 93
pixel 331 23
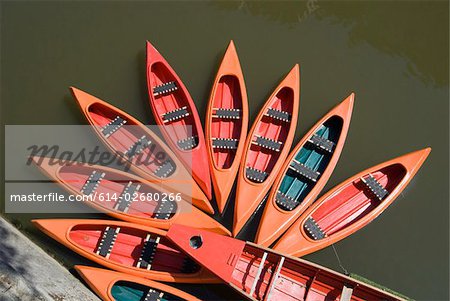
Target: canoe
pixel 175 112
pixel 146 154
pixel 115 286
pixel 127 197
pixel 125 247
pixel 305 172
pixel 263 274
pixel 351 205
pixel 226 125
pixel 267 147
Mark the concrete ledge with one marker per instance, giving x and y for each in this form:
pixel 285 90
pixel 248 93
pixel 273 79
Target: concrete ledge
pixel 28 273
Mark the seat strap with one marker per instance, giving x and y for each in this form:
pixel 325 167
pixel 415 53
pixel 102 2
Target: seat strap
pixel 92 182
pixel 113 126
pixel 165 88
pixel 107 241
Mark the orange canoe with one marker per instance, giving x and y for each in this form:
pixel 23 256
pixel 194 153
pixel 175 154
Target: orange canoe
pixel 175 112
pixel 305 172
pixel 267 147
pixel 115 286
pixel 351 205
pixel 125 247
pixel 226 125
pixel 263 274
pixel 126 196
pixel 136 144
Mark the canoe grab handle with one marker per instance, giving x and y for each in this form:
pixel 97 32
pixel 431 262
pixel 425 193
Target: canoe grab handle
pixel 322 143
pixel 175 115
pixel 268 143
pixel 278 114
pixel 196 242
pixel 226 113
pixel 188 143
pixel 92 182
pixel 113 126
pixel 375 186
pixel 165 88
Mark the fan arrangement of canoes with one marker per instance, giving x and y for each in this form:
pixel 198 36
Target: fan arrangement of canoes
pixel 196 166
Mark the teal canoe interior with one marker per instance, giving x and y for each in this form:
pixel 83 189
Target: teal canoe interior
pixel 129 291
pixel 295 186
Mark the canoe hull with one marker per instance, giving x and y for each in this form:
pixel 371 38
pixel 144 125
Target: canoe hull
pixel 349 217
pixel 105 282
pixel 228 93
pixel 268 161
pixel 276 220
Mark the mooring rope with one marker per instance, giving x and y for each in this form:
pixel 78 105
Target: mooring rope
pixel 340 262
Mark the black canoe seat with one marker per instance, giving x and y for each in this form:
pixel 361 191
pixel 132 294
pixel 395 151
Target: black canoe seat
pixel 165 169
pixel 225 143
pixel 165 209
pixel 278 114
pixel 189 266
pixel 314 229
pixel 226 113
pixel 322 143
pixel 285 201
pixel 138 147
pixel 113 126
pixel 268 143
pixel 126 197
pixel 148 252
pixel 304 170
pixel 256 174
pixel 165 88
pixel 175 114
pixel 153 295
pixel 107 242
pixel 375 186
pixel 188 143
pixel 92 182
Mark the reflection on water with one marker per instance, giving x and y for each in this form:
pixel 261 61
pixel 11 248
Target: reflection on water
pixel 375 23
pixel 393 55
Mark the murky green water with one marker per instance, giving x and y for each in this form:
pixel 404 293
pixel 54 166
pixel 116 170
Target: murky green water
pixel 393 55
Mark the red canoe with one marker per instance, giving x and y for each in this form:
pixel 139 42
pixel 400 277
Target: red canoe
pixel 351 205
pixel 226 125
pixel 115 286
pixel 136 144
pixel 267 147
pixel 305 173
pixel 263 274
pixel 125 247
pixel 175 112
pixel 126 196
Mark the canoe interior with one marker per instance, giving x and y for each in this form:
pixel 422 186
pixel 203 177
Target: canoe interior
pixel 261 158
pixel 355 200
pixel 128 246
pixel 131 291
pixel 298 187
pixel 181 128
pixel 227 96
pixel 110 192
pixel 295 281
pixel 150 159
